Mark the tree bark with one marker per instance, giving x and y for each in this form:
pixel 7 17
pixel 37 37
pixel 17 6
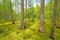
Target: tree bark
pixel 22 15
pixel 42 16
pixel 58 25
pixel 53 19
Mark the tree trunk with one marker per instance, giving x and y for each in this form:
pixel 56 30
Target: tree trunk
pixel 22 15
pixel 58 26
pixel 42 16
pixel 26 12
pixel 4 9
pixel 11 13
pixel 26 6
pixel 53 19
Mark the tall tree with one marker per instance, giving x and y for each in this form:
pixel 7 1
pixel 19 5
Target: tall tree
pixel 22 15
pixel 58 25
pixel 53 19
pixel 26 6
pixel 26 12
pixel 11 13
pixel 4 9
pixel 42 16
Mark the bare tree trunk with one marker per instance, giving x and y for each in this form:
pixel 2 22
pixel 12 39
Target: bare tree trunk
pixel 42 16
pixel 26 6
pixel 26 12
pixel 22 15
pixel 4 9
pixel 53 19
pixel 11 12
pixel 58 25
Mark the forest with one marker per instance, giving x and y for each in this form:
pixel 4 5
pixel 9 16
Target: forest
pixel 29 19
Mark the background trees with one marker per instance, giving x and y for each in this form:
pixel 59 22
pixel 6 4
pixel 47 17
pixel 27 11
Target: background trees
pixel 27 14
pixel 11 13
pixel 53 19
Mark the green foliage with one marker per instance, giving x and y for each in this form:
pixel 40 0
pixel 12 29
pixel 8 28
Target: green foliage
pixel 10 31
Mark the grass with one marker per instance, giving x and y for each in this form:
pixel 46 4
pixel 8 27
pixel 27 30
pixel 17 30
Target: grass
pixel 11 32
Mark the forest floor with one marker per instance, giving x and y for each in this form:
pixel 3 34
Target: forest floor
pixel 10 31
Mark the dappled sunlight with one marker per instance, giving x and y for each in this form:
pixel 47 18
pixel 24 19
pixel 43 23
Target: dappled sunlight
pixel 29 19
pixel 6 23
pixel 30 33
pixel 47 21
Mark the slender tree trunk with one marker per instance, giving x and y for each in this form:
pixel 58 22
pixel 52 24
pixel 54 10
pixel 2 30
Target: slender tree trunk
pixel 53 19
pixel 58 26
pixel 22 15
pixel 11 12
pixel 42 16
pixel 26 12
pixel 4 9
pixel 26 6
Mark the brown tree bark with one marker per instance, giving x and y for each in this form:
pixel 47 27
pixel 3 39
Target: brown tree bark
pixel 58 25
pixel 42 16
pixel 53 19
pixel 22 15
